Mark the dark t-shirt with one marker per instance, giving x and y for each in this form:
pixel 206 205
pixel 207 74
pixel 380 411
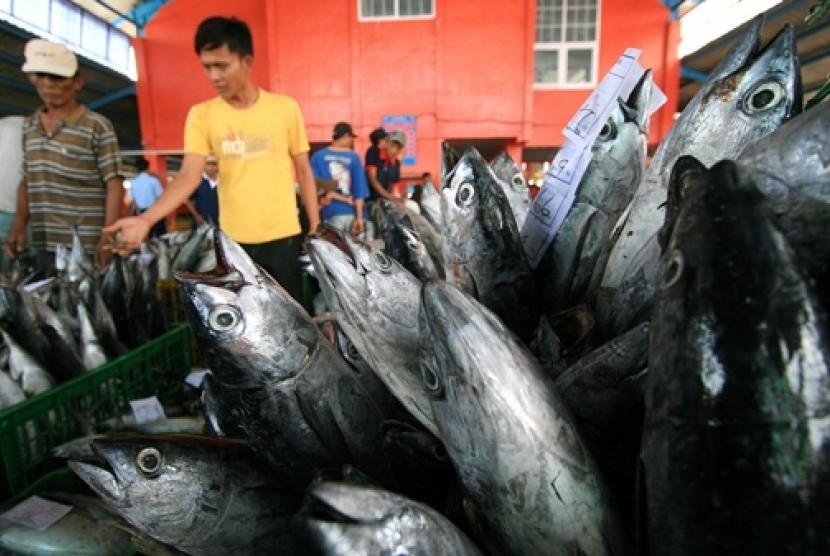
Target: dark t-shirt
pixel 388 172
pixel 206 201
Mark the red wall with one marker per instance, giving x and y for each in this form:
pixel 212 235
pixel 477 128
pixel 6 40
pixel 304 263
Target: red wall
pixel 465 74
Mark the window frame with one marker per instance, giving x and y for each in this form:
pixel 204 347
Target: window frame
pixel 397 17
pixel 562 47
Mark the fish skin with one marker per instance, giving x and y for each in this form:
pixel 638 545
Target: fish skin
pixel 720 122
pixel 351 519
pixel 25 369
pixel 791 167
pixel 202 495
pixel 375 300
pixel 79 265
pixel 92 352
pixel 188 255
pixel 291 382
pixel 430 203
pixel 736 398
pixel 403 242
pixel 513 183
pixel 531 484
pixel 483 252
pixel 570 270
pixel 11 392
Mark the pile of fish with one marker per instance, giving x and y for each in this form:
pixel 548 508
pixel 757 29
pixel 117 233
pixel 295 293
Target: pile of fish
pixel 658 384
pixel 79 317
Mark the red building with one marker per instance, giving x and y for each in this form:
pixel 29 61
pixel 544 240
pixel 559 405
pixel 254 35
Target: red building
pixel 497 74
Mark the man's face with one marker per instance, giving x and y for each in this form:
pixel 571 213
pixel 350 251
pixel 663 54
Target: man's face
pixel 212 170
pixel 227 71
pixel 394 149
pixel 56 91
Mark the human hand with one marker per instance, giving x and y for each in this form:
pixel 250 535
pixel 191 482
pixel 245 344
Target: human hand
pixel 358 226
pixel 399 200
pixel 129 233
pixel 103 252
pixel 16 241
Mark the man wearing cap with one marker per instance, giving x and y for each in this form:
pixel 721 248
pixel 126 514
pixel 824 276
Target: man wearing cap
pixel 72 171
pixel 260 143
pixel 343 207
pixel 145 188
pixel 384 166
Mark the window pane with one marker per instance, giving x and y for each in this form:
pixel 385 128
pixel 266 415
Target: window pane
pixel 66 21
pixel 35 12
pixel 549 21
pixel 579 66
pixel 547 66
pixel 415 7
pixel 94 35
pixel 378 8
pixel 119 50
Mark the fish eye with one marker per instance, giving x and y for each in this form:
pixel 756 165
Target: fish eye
pixel 608 131
pixel 148 461
pixel 351 350
pixel 381 260
pixel 412 244
pixel 466 193
pixel 518 182
pixel 764 96
pixel 224 318
pixel 673 270
pixel 431 381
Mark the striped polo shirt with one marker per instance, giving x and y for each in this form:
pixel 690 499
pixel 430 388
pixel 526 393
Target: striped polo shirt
pixel 67 171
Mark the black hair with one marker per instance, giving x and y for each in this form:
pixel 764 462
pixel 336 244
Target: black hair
pixel 376 135
pixel 215 31
pixel 142 164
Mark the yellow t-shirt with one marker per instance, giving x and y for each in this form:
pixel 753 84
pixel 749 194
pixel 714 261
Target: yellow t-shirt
pixel 253 148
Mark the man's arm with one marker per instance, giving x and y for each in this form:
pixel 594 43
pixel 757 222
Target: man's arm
pixel 112 208
pixel 16 240
pixel 135 229
pixel 308 190
pixel 358 225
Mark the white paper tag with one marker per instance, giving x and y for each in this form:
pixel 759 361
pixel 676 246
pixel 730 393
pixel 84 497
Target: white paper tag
pixel 37 513
pixel 196 377
pixel 555 198
pixel 147 410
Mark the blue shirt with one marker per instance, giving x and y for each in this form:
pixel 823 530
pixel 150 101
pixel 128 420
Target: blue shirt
pixel 346 168
pixel 145 189
pixel 206 201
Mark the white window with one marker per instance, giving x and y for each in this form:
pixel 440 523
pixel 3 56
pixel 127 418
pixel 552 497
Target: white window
pixel 566 43
pixel 396 9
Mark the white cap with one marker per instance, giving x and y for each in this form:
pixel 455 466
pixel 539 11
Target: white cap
pixel 53 58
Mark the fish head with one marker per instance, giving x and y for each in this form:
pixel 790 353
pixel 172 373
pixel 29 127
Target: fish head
pixel 506 169
pixel 250 329
pixel 343 518
pixel 161 483
pixel 360 279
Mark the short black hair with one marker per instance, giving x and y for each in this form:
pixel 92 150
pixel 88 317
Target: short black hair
pixel 215 31
pixel 376 135
pixel 142 164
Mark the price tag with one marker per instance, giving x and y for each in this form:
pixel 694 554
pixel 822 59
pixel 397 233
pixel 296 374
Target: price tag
pixel 147 410
pixel 37 513
pixel 555 198
pixel 196 377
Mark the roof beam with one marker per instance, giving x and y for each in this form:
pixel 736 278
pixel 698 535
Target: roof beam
pixel 111 97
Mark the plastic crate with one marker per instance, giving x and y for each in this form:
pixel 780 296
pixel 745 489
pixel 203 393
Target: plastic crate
pixel 30 429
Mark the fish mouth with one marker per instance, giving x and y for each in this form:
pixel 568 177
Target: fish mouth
pixel 103 478
pixel 318 509
pixel 233 266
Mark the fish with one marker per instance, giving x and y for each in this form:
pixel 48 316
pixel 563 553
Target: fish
pixel 791 167
pixel 350 519
pixel 25 369
pixel 430 203
pixel 747 96
pixel 79 265
pixel 570 270
pixel 483 251
pixel 737 387
pixel 11 392
pixel 189 254
pixel 531 485
pixel 513 183
pixel 375 301
pixel 267 352
pixel 202 495
pixel 403 243
pixel 92 352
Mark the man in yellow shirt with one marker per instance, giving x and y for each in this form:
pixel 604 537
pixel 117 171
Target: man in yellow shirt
pixel 260 143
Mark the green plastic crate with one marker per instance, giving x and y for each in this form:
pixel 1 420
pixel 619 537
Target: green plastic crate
pixel 30 429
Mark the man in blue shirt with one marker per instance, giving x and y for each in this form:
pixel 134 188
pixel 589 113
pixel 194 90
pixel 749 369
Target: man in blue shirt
pixel 343 207
pixel 204 203
pixel 145 188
